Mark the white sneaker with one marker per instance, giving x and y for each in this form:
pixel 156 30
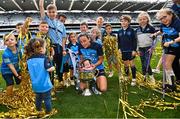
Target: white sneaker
pixel 156 71
pixel 133 83
pixel 152 79
pixel 96 91
pixel 111 74
pixel 72 82
pixel 66 83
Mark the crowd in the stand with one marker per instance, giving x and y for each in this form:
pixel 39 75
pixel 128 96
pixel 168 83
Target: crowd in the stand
pixel 50 50
pixel 73 18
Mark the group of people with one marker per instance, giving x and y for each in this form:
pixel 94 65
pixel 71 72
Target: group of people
pixel 46 50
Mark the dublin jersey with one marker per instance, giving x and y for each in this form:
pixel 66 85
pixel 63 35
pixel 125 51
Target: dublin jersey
pixel 171 32
pixel 92 52
pixel 73 47
pixel 9 57
pixel 57 30
pixel 37 66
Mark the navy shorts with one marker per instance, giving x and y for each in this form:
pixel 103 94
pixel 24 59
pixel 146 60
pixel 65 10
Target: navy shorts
pixel 9 78
pixel 171 51
pixel 100 72
pixel 127 56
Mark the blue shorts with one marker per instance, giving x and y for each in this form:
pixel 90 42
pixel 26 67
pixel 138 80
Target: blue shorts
pixel 127 56
pixel 9 78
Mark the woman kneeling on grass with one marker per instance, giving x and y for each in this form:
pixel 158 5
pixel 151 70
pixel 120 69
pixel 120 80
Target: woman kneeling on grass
pixel 93 51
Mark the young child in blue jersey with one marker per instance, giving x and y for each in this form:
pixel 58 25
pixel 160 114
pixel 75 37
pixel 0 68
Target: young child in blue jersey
pixel 10 63
pixel 93 51
pixel 57 34
pixel 43 33
pixel 144 43
pixel 96 35
pixel 67 62
pixel 127 44
pixel 170 28
pixel 111 49
pixel 39 68
pixel 99 24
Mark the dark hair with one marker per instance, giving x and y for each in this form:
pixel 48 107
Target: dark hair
pixel 62 15
pixel 19 24
pixel 108 24
pixel 84 23
pixel 84 34
pixel 71 33
pixel 82 63
pixel 34 46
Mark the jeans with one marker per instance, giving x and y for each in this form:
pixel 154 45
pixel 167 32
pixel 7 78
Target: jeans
pixel 46 96
pixel 145 58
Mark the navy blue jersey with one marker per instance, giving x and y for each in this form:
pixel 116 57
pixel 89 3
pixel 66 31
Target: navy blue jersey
pixel 127 40
pixel 8 57
pixel 92 52
pixel 171 32
pixel 37 66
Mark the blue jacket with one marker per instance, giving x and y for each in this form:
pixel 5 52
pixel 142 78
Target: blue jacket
pixel 127 40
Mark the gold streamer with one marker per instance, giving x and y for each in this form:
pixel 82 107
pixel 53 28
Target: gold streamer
pixel 22 102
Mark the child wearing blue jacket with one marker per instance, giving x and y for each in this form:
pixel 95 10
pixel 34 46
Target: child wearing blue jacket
pixel 127 44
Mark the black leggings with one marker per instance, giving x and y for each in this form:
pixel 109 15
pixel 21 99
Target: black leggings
pixel 176 67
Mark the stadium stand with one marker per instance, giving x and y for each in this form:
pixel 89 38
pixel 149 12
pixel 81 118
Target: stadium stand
pixel 77 11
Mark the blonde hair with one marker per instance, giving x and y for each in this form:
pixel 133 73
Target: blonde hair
pixel 165 10
pixel 144 14
pixel 98 32
pixel 6 36
pixel 100 17
pixel 51 6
